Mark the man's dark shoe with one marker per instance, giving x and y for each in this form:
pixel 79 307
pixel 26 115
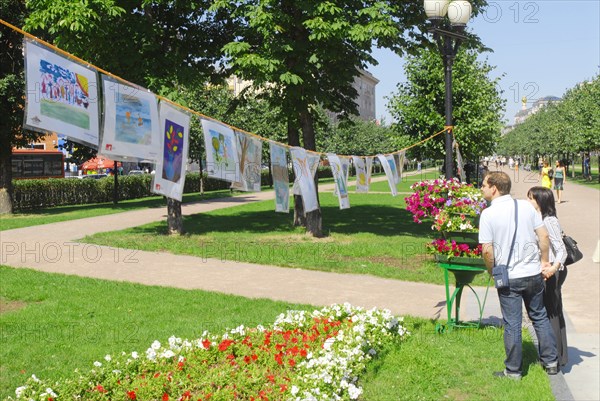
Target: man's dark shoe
pixel 504 373
pixel 551 370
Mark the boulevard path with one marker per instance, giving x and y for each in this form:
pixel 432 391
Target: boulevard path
pixel 54 248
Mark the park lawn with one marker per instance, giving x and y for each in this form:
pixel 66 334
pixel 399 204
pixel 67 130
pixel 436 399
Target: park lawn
pixel 376 236
pixel 52 324
pixel 73 212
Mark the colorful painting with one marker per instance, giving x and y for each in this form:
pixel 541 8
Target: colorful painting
pixel 221 151
pixel 304 178
pixel 385 163
pixel 313 163
pixel 281 179
pixel 61 96
pixel 172 151
pixel 339 177
pixel 250 157
pixel 133 120
pixel 169 178
pixel 131 125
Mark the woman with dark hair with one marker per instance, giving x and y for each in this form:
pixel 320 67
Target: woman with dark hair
pixel 543 200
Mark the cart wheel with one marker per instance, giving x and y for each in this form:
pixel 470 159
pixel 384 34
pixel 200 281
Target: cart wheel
pixel 440 328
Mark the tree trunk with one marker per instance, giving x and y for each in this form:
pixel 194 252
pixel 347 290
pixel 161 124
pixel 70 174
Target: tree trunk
pixel 6 188
pixel 294 140
pixel 174 217
pixel 314 221
pixel 116 184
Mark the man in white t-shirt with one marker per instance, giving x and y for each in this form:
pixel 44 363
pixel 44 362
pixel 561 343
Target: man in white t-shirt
pixel 526 284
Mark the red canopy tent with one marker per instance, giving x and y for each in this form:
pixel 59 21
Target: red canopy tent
pixel 99 163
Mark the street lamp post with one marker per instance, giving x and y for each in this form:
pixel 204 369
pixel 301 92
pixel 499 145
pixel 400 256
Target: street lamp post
pixel 448 41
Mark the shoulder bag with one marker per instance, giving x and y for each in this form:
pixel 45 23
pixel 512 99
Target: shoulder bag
pixel 573 253
pixel 500 272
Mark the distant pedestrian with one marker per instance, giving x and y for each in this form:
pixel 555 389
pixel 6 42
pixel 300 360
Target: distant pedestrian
pixel 560 177
pixel 546 175
pixel 542 199
pixel 526 284
pixel 587 170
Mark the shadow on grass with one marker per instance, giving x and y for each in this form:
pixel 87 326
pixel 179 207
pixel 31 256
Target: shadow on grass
pixel 373 219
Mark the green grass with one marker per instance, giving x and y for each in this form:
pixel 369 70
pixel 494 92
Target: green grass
pixel 375 236
pixel 452 366
pixel 52 324
pixel 64 112
pixel 66 213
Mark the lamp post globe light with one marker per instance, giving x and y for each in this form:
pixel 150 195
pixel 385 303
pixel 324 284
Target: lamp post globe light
pixel 458 13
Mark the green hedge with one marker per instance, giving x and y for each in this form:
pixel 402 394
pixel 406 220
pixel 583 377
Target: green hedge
pixel 35 194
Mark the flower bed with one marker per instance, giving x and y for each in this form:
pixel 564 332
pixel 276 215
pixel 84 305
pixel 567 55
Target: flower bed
pixel 429 197
pixel 303 356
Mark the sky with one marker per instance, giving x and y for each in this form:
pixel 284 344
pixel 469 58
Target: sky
pixel 542 47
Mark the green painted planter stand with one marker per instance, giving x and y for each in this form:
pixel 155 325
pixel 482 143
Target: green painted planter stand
pixel 464 271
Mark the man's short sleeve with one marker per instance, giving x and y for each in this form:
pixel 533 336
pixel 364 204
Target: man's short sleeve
pixel 486 235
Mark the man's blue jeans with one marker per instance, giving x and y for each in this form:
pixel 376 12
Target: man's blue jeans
pixel 531 291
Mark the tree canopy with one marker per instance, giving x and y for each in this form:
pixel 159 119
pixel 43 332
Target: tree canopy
pixel 568 126
pixel 419 104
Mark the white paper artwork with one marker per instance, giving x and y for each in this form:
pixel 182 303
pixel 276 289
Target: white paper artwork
pixel 304 178
pixel 392 163
pixel 131 127
pixel 61 96
pixel 250 157
pixel 401 158
pixel 313 162
pixel 281 179
pixel 221 151
pixel 345 162
pixel 340 180
pixel 169 177
pixel 363 176
pixel 389 173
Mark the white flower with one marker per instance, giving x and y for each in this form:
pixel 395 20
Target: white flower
pixel 35 379
pixel 107 358
pixel 134 355
pixel 354 391
pixel 97 364
pixel 294 390
pixel 20 390
pixel 155 345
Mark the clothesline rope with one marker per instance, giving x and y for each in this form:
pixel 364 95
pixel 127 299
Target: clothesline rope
pixel 162 98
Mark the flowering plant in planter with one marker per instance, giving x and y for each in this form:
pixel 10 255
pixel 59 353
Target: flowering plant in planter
pixel 302 356
pixel 429 197
pixel 451 249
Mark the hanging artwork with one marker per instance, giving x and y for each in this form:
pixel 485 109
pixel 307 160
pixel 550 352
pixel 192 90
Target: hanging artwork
pixel 61 96
pixel 250 157
pixel 281 179
pixel 221 151
pixel 386 164
pixel 305 178
pixel 313 162
pixel 340 180
pixel 345 163
pixel 169 178
pixel 401 159
pixel 131 127
pixel 363 174
pixel 392 163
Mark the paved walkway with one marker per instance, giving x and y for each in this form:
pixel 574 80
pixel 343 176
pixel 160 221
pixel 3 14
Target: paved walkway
pixel 54 248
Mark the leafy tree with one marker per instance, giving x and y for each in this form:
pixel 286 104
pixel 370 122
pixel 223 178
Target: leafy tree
pixel 307 52
pixel 357 137
pixel 419 106
pixel 12 97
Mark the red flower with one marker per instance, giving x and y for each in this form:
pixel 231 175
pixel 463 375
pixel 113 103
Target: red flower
pixel 165 397
pixel 100 389
pixel 131 395
pixel 225 344
pixel 206 343
pixel 292 363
